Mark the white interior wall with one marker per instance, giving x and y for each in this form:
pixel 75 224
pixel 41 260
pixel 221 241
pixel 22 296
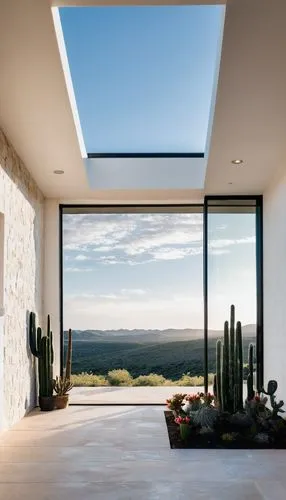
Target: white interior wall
pixel 275 285
pixel 51 274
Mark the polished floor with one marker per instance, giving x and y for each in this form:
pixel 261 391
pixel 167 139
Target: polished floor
pixel 122 453
pixel 128 395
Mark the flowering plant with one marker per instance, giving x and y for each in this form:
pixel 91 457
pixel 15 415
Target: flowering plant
pixel 182 420
pixel 256 407
pixel 175 402
pixel 260 399
pixel 197 400
pixel 208 399
pixel 194 397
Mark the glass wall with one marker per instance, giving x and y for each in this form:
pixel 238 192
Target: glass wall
pixel 232 270
pixel 133 296
pixel 146 291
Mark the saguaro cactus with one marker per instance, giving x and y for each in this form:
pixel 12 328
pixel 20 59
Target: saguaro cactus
pixel 42 348
pixel 229 372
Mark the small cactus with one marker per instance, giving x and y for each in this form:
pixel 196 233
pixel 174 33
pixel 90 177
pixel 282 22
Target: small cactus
pixel 205 416
pixel 62 385
pixel 276 407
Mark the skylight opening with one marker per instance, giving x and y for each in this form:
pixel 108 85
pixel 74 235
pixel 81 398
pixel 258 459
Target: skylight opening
pixel 143 77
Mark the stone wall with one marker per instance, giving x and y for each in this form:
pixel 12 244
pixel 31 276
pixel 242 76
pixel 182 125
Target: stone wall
pixel 21 203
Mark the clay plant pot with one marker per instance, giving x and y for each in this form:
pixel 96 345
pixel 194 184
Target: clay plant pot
pixel 62 402
pixel 47 403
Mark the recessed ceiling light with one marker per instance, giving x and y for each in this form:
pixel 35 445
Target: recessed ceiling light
pixel 237 162
pixel 59 172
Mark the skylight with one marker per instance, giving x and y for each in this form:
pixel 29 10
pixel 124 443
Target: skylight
pixel 143 77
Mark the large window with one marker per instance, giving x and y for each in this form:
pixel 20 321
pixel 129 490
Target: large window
pixel 133 295
pixel 147 290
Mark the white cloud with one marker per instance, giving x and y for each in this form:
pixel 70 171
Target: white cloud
pixel 133 291
pixel 78 269
pixel 228 242
pixel 110 296
pixel 136 239
pixel 81 257
pixel 175 253
pixel 218 251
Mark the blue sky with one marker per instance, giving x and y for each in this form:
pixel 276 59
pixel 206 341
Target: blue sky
pixel 143 76
pixel 145 270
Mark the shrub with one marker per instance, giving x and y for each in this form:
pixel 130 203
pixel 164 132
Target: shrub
pixel 119 377
pixel 152 380
pixel 88 380
pixel 187 380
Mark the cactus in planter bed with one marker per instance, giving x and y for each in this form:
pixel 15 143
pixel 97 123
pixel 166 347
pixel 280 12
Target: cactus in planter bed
pixel 276 407
pixel 42 348
pixel 250 390
pixel 229 375
pixel 205 416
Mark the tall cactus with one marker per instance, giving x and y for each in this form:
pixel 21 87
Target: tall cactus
pixel 250 390
pixel 229 373
pixel 225 366
pixel 69 357
pixel 232 359
pixel 42 348
pixel 218 374
pixel 239 365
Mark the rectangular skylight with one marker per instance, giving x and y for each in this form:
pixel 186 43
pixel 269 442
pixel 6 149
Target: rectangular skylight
pixel 143 77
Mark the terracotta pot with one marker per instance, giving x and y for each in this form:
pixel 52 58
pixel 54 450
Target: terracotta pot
pixel 47 403
pixel 62 402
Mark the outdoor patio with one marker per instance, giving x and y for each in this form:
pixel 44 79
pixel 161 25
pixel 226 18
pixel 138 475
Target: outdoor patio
pixel 123 453
pixel 127 395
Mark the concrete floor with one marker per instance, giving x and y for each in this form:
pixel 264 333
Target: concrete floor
pixel 122 453
pixel 128 395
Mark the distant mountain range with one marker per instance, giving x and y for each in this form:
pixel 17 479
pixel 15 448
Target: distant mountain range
pixel 151 336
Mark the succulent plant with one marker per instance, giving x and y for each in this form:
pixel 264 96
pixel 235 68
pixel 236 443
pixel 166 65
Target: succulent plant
pixel 229 436
pixel 62 386
pixel 205 416
pixel 42 348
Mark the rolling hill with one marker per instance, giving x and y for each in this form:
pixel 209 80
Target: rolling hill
pixel 170 353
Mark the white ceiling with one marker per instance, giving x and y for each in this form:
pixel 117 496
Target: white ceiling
pixel 249 118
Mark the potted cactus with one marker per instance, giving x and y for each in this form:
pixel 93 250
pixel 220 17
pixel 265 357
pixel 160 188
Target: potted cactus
pixel 62 385
pixel 42 348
